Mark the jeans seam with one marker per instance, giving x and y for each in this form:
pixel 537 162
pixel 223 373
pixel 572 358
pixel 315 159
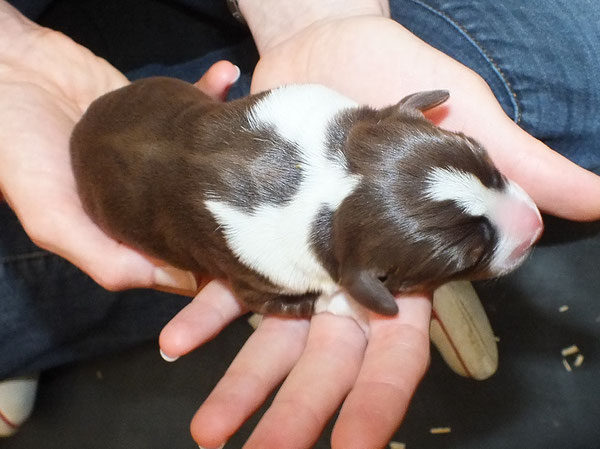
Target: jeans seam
pixel 26 256
pixel 477 45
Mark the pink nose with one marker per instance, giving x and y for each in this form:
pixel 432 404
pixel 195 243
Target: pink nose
pixel 523 224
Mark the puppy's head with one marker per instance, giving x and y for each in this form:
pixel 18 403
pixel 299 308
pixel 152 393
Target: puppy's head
pixel 433 208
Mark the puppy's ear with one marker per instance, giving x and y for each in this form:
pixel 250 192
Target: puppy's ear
pixel 369 291
pixel 422 101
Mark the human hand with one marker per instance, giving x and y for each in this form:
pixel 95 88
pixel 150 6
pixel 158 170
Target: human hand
pixel 324 361
pixel 353 49
pixel 46 83
pixel 376 61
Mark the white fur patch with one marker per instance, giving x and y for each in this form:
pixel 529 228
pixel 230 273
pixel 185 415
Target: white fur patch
pixel 341 304
pixel 275 240
pixel 469 193
pixel 465 189
pixel 301 113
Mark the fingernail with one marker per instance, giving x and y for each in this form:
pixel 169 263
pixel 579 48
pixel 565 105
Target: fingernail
pixel 220 447
pixel 166 357
pixel 175 278
pixel 237 77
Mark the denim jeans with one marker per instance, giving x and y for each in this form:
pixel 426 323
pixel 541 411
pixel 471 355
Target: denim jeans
pixel 540 59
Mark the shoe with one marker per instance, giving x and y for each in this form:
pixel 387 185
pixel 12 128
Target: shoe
pixel 17 396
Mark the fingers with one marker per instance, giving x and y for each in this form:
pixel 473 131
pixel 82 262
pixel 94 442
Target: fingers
pixel 316 386
pixel 266 358
pixel 557 185
pixel 322 375
pixel 69 233
pixel 218 79
pixel 210 311
pixel 395 360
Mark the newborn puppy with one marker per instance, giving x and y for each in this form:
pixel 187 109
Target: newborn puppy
pixel 297 193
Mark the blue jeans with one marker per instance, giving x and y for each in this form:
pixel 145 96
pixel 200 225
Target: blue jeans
pixel 540 59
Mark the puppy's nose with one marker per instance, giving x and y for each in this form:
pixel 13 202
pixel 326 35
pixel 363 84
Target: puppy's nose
pixel 522 223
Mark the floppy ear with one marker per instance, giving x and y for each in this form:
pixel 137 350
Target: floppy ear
pixel 423 101
pixel 369 292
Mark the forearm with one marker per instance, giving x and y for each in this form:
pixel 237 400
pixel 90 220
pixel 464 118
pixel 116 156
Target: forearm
pixel 273 21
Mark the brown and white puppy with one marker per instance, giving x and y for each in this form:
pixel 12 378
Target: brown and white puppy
pixel 297 193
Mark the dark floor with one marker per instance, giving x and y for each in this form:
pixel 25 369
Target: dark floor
pixel 136 400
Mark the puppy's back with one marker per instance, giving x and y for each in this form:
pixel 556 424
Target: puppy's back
pixel 130 155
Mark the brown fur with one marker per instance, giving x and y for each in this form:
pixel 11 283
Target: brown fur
pixel 147 156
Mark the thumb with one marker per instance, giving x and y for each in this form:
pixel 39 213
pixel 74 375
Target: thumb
pixel 68 232
pixel 557 185
pixel 218 79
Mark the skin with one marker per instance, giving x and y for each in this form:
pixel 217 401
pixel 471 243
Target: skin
pixel 47 81
pixel 38 110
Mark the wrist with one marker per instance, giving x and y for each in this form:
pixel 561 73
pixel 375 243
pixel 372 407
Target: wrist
pixel 12 24
pixel 274 21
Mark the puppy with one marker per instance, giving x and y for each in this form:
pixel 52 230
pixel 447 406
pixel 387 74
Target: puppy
pixel 298 193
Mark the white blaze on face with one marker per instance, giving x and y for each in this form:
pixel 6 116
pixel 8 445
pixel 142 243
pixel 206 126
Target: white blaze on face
pixel 511 211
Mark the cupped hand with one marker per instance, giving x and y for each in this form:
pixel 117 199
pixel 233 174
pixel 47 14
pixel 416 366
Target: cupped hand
pixel 376 61
pixel 46 83
pixel 329 361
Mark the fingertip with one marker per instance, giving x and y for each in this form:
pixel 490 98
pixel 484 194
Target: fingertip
pixel 210 311
pixel 209 429
pixel 218 79
pixel 175 339
pixel 224 71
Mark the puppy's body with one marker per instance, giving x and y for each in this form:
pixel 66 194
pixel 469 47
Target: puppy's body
pixel 293 193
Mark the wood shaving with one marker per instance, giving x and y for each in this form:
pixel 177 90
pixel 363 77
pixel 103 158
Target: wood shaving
pixel 439 430
pixel 573 349
pixel 255 320
pixel 566 365
pixel 578 360
pixel 397 445
pixel 563 308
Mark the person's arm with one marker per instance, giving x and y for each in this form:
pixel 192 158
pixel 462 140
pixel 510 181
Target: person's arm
pixel 273 21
